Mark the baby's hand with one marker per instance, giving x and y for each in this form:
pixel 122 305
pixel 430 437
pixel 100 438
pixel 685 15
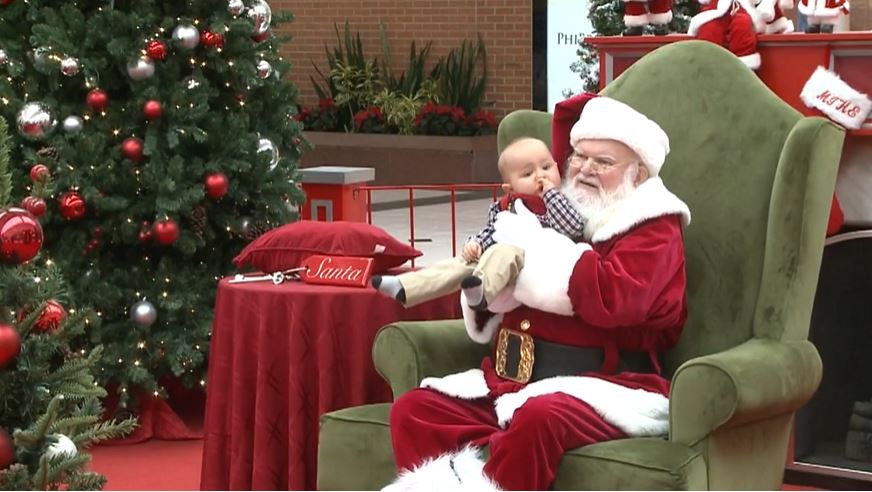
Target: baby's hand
pixel 471 251
pixel 546 185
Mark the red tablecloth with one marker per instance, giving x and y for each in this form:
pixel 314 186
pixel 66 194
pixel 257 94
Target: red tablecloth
pixel 280 357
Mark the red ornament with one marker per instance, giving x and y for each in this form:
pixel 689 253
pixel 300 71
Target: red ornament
pixel 7 447
pixel 97 232
pixel 216 185
pixel 131 148
pixel 145 232
pixel 72 206
pixel 261 37
pixel 34 205
pixel 209 38
pixel 20 236
pixel 166 232
pixel 156 50
pixel 39 173
pixel 51 317
pixel 10 345
pixel 97 100
pixel 152 110
pixel 5 3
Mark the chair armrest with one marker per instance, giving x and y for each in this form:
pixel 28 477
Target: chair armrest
pixel 756 380
pixel 407 352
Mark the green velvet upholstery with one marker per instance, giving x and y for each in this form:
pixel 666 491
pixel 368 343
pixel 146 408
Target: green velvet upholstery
pixel 758 178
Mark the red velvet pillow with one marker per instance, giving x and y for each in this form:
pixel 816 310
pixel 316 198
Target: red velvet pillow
pixel 288 246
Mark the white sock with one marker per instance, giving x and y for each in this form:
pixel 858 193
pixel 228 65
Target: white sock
pixel 390 286
pixel 474 290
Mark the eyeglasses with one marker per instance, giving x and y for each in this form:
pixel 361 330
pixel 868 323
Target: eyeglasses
pixel 598 165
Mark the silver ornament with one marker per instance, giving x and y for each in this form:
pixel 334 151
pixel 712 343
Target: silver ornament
pixel 4 57
pixel 69 66
pixel 40 56
pixel 64 446
pixel 264 69
pixel 235 7
pixel 266 145
pixel 141 69
pixel 143 313
pixel 261 14
pixel 73 124
pixel 35 121
pixel 186 36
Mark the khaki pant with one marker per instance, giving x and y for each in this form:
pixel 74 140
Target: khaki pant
pixel 497 268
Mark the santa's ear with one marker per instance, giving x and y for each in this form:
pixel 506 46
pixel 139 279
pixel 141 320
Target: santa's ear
pixel 642 175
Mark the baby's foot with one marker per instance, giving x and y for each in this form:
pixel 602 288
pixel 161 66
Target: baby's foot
pixel 390 286
pixel 474 291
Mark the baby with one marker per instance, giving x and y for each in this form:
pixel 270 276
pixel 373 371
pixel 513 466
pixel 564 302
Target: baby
pixel 484 268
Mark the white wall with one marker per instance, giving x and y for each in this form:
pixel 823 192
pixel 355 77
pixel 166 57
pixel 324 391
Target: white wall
pixel 567 26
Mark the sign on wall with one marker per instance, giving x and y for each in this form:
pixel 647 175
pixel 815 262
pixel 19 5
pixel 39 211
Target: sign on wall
pixel 567 26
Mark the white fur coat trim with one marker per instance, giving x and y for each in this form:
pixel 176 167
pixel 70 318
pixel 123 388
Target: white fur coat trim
pixel 650 200
pixel 456 471
pixel 638 413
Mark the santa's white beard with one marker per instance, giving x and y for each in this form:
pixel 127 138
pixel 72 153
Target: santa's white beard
pixel 591 202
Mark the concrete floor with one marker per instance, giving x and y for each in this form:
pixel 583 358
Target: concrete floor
pixel 432 221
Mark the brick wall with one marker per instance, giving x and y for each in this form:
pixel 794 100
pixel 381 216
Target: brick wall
pixel 503 24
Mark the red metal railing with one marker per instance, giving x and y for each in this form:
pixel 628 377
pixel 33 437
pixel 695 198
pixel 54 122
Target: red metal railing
pixel 452 189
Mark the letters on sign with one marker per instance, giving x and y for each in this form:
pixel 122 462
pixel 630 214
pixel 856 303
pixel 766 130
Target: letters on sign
pixel 839 104
pixel 349 271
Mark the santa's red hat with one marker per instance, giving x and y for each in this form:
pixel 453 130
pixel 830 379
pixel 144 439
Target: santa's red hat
pixel 605 118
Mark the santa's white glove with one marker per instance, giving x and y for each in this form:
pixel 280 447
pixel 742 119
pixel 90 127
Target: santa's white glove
pixel 517 229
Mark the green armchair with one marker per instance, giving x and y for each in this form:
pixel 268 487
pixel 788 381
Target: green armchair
pixel 758 178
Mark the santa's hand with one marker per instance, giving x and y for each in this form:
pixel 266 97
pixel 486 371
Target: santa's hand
pixel 517 229
pixel 548 265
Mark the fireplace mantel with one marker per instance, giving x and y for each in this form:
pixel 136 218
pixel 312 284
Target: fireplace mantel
pixel 788 60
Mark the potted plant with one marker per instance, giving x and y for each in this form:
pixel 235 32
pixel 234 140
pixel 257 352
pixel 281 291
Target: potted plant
pixel 418 126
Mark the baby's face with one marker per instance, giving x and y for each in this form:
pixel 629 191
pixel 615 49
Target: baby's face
pixel 529 167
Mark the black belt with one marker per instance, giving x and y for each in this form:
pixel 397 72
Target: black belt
pixel 521 358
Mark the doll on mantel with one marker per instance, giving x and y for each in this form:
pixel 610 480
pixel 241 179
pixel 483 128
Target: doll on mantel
pixel 823 15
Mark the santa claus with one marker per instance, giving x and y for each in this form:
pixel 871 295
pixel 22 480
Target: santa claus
pixel 640 13
pixel 823 15
pixel 774 9
pixel 576 355
pixel 733 24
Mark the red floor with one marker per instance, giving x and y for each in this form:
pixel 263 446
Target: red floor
pixel 153 465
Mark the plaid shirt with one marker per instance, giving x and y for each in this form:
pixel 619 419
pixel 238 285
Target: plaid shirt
pixel 559 215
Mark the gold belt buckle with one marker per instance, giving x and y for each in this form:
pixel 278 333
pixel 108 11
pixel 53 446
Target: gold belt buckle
pixel 525 362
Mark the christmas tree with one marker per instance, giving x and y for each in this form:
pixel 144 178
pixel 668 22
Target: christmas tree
pixel 49 402
pixel 607 19
pixel 169 135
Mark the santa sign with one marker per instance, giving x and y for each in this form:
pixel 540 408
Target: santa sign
pixel 349 271
pixel 828 93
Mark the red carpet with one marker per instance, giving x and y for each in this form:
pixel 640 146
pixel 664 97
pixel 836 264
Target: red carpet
pixel 152 465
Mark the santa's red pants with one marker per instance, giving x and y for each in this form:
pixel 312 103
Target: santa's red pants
pixel 524 456
pixel 734 31
pixel 635 8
